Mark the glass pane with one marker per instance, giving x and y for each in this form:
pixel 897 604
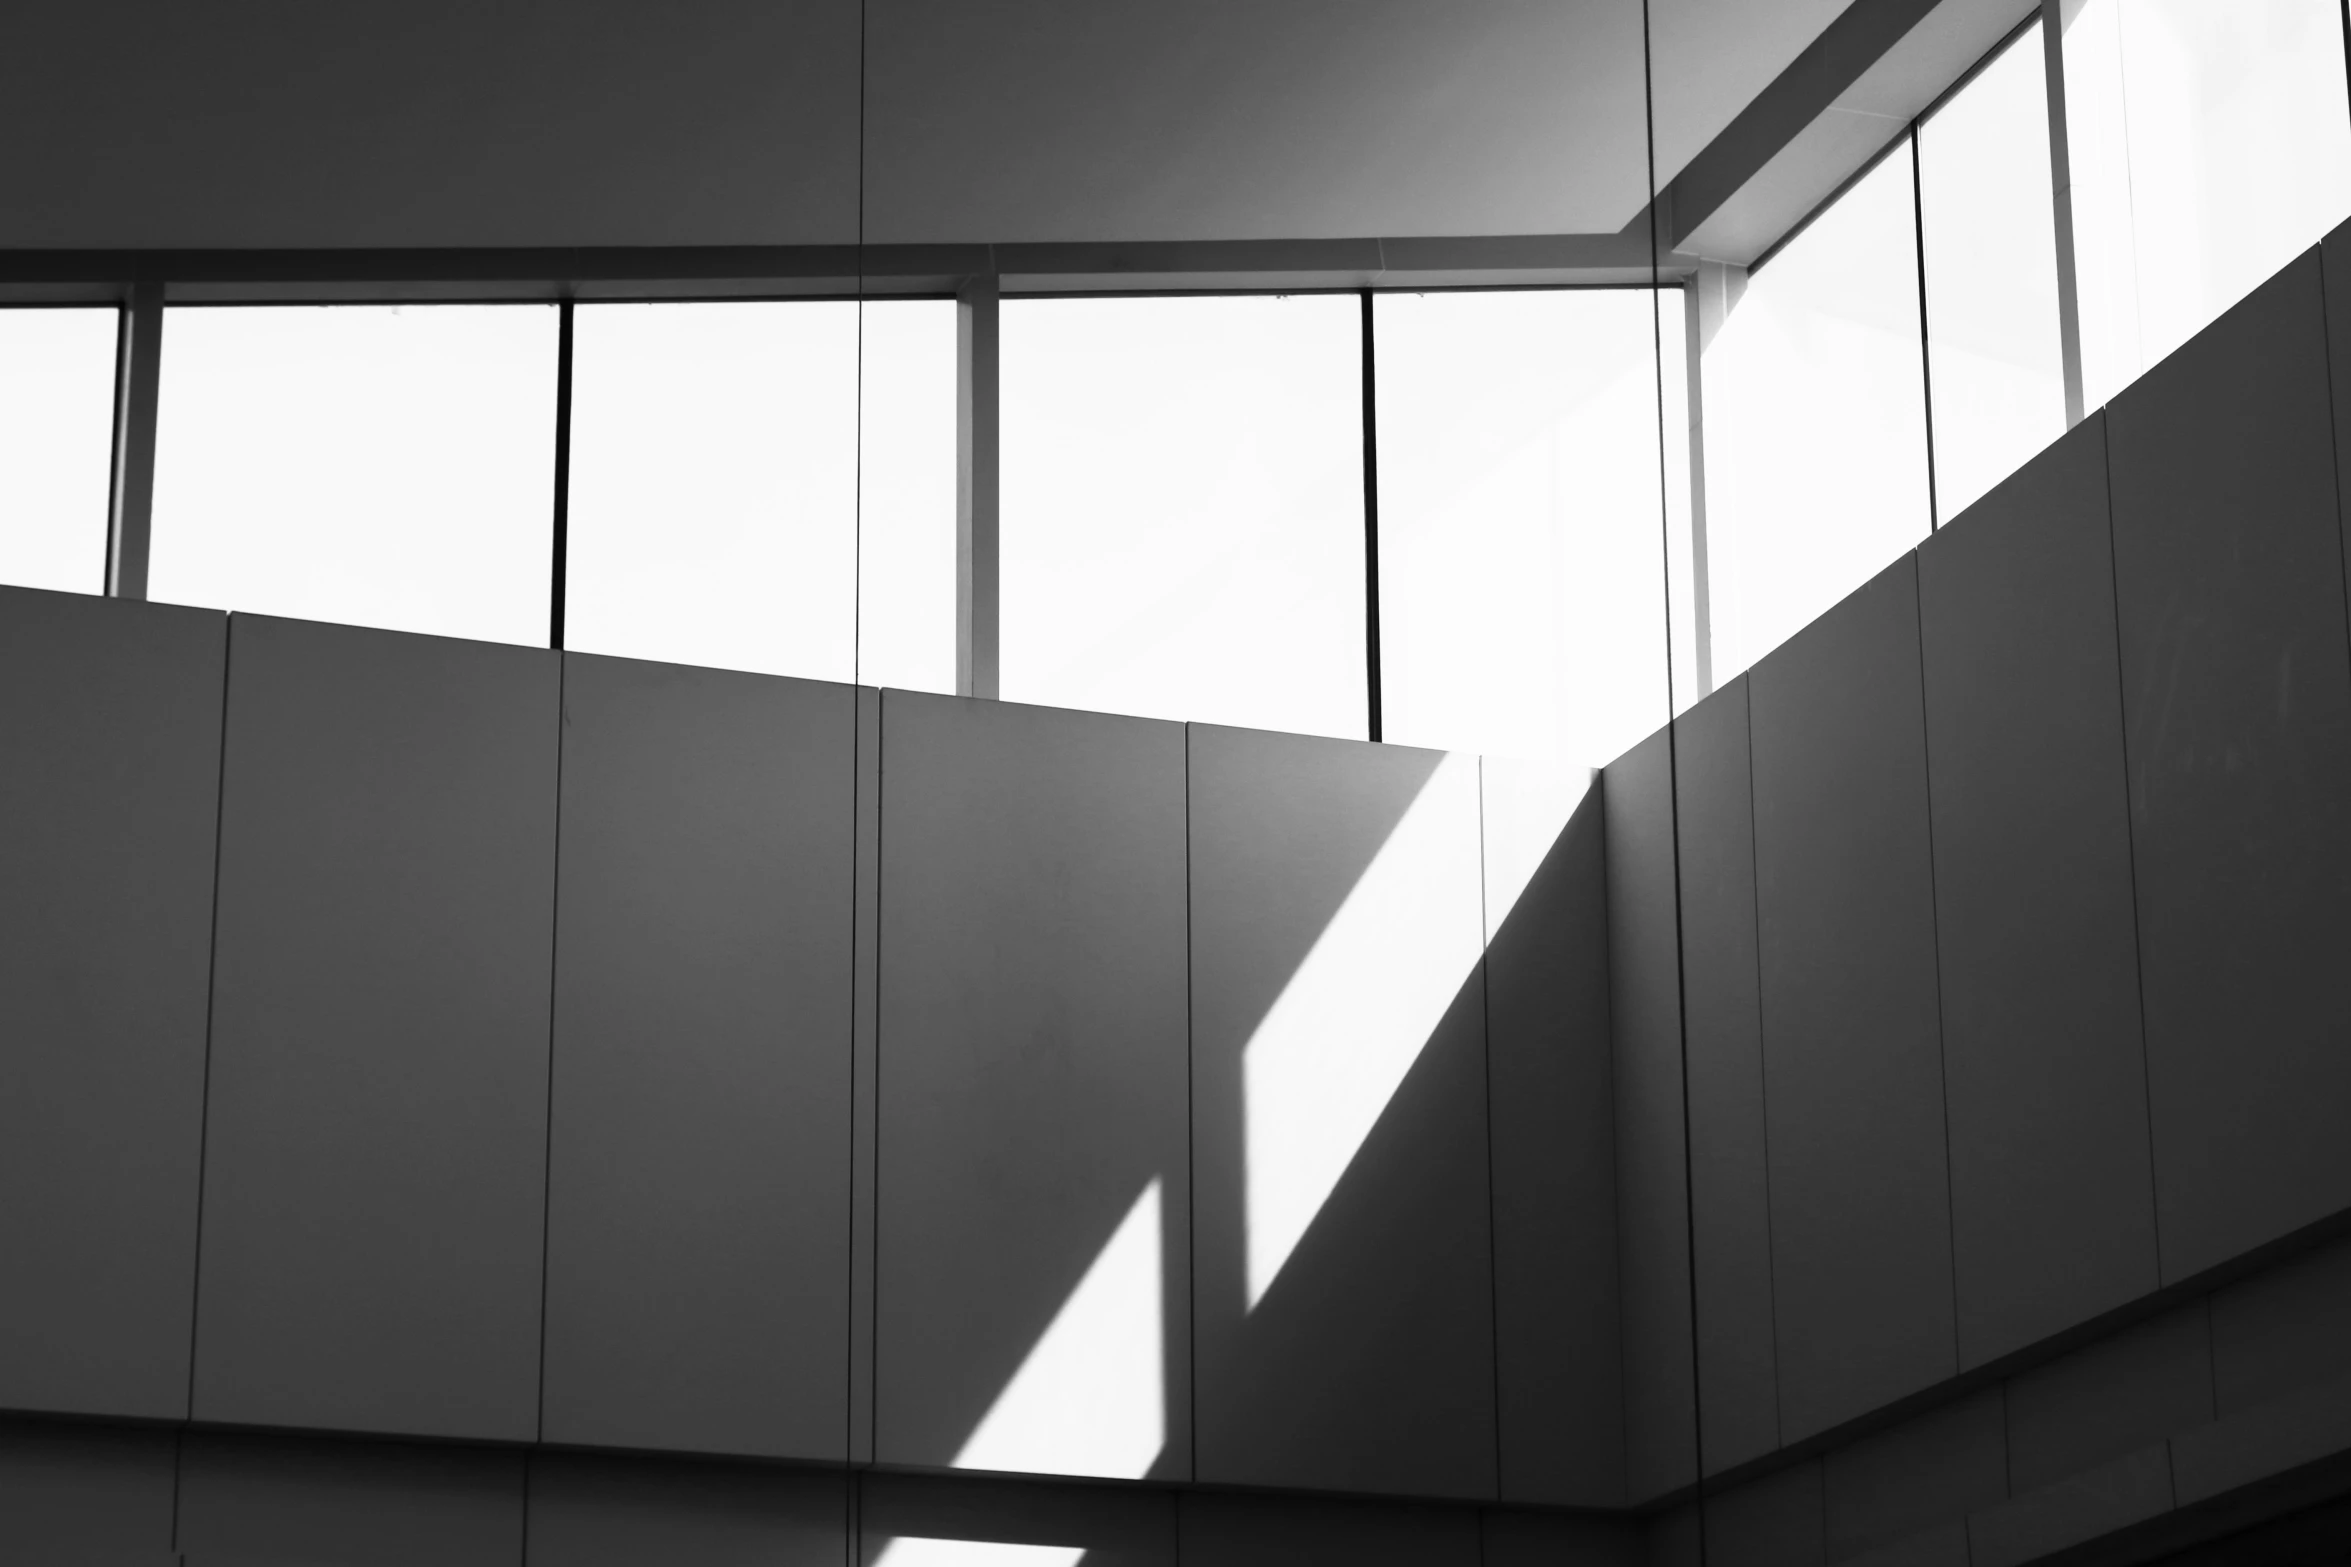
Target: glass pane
pixel 56 446
pixel 1183 509
pixel 381 465
pixel 1993 345
pixel 906 496
pixel 1815 419
pixel 1522 584
pixel 714 485
pixel 2208 144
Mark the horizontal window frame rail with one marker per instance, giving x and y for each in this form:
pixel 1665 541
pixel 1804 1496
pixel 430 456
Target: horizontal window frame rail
pixel 659 273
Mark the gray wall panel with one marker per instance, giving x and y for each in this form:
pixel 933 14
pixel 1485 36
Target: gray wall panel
pixel 2237 701
pixel 1730 1180
pixel 432 122
pixel 1560 1376
pixel 268 1502
pixel 109 794
pixel 2110 1398
pixel 375 1156
pixel 1367 1362
pixel 1934 1468
pixel 1860 1199
pixel 606 1512
pixel 2052 1194
pixel 1653 1221
pixel 1777 1521
pixel 1509 1539
pixel 2283 1330
pixel 1112 1526
pixel 86 1495
pixel 1032 1054
pixel 863 1062
pixel 1242 1531
pixel 698 1202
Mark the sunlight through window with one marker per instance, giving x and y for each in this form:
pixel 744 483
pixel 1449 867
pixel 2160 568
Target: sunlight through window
pixel 1090 1399
pixel 1347 1029
pixel 1527 805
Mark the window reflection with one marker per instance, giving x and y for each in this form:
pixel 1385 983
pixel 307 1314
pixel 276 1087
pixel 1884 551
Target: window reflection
pixel 56 441
pixel 1183 509
pixel 380 465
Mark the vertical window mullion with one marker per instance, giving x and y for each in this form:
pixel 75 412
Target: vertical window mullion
pixel 131 505
pixel 1371 522
pixel 560 552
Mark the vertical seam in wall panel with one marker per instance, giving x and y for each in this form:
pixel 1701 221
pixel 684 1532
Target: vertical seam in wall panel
pixel 530 1466
pixel 849 1239
pixel 1596 791
pixel 2007 1447
pixel 220 793
pixel 852 1516
pixel 2212 1355
pixel 1763 1074
pixel 1926 770
pixel 1493 1228
pixel 554 958
pixel 1673 805
pixel 873 1260
pixel 1624 1377
pixel 2130 827
pixel 2335 443
pixel 1191 1147
pixel 179 1466
pixel 1820 1466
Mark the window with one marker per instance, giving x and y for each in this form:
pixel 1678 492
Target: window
pixel 720 511
pixel 1182 494
pixel 2208 144
pixel 906 496
pixel 1815 419
pixel 56 446
pixel 713 507
pixel 380 465
pixel 1522 583
pixel 1994 353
